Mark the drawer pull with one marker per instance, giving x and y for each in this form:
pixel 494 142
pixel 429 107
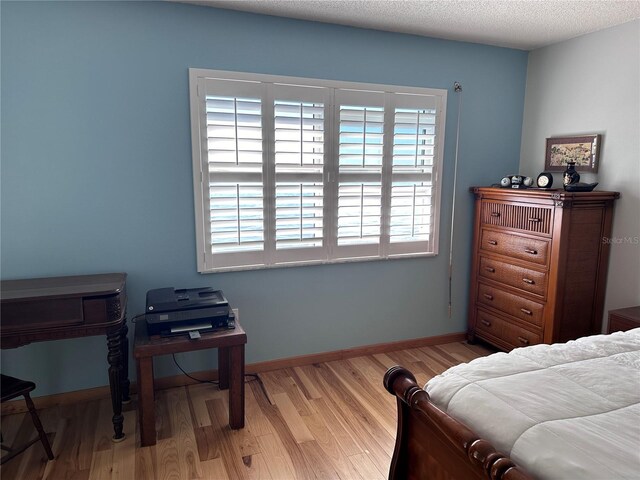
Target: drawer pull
pixel 495 214
pixel 529 281
pixel 492 242
pixel 490 269
pixel 531 251
pixel 486 323
pixel 525 311
pixel 488 297
pixel 523 340
pixel 535 220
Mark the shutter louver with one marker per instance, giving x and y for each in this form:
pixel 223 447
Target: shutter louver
pixel 360 153
pixel 411 181
pixel 234 141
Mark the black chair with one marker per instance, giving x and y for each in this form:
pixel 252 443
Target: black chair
pixel 11 388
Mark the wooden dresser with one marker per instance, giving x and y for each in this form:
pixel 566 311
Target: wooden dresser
pixel 623 319
pixel 539 265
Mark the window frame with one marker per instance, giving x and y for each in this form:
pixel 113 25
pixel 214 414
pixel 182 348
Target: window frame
pixel 385 250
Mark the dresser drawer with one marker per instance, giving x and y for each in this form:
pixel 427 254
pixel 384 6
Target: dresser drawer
pixel 524 217
pixel 528 280
pixel 524 248
pixel 521 308
pixel 519 337
pixel 487 323
pixel 499 329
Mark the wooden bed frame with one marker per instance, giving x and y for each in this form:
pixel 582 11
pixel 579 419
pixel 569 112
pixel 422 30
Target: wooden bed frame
pixel 432 444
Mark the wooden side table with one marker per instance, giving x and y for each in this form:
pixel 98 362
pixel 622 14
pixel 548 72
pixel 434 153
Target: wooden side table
pixel 55 308
pixel 230 345
pixel 624 319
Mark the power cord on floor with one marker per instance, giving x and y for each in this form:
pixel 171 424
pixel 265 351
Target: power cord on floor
pixel 259 380
pixel 199 380
pixel 255 376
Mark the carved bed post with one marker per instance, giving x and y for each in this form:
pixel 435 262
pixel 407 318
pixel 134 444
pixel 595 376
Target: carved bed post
pixel 406 385
pixel 432 444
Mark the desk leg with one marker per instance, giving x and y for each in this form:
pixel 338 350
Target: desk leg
pixel 146 406
pixel 114 344
pixel 223 368
pixel 124 376
pixel 236 386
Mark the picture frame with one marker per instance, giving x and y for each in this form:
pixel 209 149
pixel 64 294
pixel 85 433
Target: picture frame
pixel 584 150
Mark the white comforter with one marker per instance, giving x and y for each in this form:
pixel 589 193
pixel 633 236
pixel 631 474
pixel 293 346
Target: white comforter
pixel 562 411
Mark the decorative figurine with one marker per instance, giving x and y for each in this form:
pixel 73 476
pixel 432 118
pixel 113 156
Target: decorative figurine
pixel 570 176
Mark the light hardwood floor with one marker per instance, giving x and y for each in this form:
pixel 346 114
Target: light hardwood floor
pixel 327 420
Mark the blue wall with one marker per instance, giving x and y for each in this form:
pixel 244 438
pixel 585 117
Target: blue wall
pixel 96 169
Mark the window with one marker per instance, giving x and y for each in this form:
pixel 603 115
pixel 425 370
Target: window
pixel 294 171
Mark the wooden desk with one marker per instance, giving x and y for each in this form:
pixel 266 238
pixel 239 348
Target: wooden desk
pixel 624 319
pixel 44 309
pixel 230 345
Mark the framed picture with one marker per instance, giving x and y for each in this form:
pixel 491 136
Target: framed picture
pixel 584 150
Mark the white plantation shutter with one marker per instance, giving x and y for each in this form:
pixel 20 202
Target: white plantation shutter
pixel 359 118
pixel 294 171
pixel 234 172
pixel 412 172
pixel 299 132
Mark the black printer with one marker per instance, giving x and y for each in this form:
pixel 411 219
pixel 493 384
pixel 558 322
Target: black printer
pixel 176 311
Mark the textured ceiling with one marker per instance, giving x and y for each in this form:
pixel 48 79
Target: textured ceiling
pixel 522 24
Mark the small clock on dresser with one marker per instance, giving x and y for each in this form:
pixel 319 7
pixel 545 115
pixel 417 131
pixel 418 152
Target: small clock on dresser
pixel 545 180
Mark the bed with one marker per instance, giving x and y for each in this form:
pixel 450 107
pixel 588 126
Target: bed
pixel 561 411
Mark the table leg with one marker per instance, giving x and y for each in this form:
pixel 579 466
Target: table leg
pixel 114 357
pixel 146 405
pixel 236 386
pixel 124 377
pixel 223 368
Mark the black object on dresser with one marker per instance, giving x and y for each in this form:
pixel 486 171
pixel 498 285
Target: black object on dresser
pixel 539 265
